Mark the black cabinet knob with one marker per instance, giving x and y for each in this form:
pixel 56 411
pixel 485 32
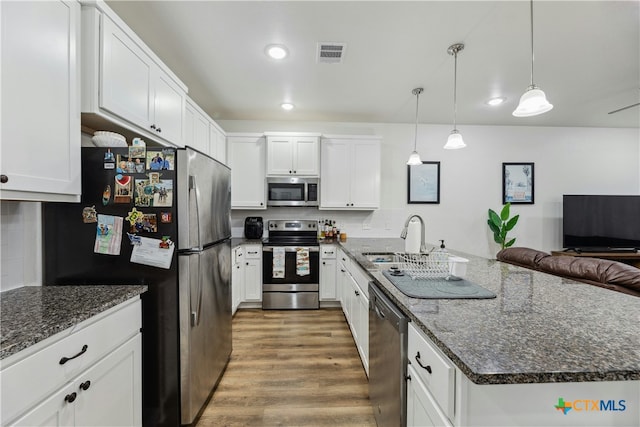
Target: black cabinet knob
pixel 159 130
pixel 153 127
pixel 4 178
pixel 85 385
pixel 70 397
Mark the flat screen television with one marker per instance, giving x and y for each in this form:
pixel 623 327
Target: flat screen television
pixel 594 223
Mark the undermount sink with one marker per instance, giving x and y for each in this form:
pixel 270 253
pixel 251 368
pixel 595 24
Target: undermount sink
pixel 380 257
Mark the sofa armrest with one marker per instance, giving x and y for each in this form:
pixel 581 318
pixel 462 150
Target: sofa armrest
pixel 523 257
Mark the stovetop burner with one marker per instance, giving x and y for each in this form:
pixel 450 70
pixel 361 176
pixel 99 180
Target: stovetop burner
pixel 292 233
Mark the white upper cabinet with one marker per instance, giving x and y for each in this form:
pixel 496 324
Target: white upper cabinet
pixel 124 82
pixel 247 163
pixel 350 171
pixel 203 134
pixel 217 142
pixel 293 154
pixel 40 137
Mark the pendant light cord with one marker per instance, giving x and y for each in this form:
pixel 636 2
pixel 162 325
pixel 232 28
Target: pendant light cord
pixel 455 88
pixel 417 91
pixel 531 16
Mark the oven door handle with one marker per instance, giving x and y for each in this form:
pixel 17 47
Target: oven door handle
pixel 291 248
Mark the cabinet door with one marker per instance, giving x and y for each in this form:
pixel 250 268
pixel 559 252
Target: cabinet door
pixel 168 108
pixel 363 330
pixel 365 174
pixel 199 132
pixel 328 280
pixel 110 393
pixel 253 280
pixel 280 156
pixel 237 286
pixel 422 411
pixel 306 156
pixel 217 143
pixel 336 174
pixel 126 77
pixel 40 138
pixel 55 411
pixel 247 162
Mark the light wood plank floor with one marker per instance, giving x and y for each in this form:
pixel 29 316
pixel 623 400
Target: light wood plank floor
pixel 291 368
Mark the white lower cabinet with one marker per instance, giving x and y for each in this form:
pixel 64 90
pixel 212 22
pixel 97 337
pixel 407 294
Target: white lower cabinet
pixel 100 384
pixel 351 282
pixel 237 278
pixel 422 409
pixel 252 273
pixel 109 393
pixel 328 276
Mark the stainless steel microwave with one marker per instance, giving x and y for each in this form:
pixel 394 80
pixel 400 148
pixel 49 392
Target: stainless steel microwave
pixel 292 191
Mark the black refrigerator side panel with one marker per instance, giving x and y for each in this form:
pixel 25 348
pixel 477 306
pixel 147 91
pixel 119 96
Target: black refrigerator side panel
pixel 69 258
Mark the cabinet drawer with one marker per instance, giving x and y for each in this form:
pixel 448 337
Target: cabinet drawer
pixel 434 369
pixel 328 252
pixel 30 380
pixel 253 251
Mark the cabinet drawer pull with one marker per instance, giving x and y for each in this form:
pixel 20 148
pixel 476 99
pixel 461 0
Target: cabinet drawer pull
pixel 153 127
pixel 66 359
pixel 85 385
pixel 70 397
pixel 4 179
pixel 427 368
pixel 357 293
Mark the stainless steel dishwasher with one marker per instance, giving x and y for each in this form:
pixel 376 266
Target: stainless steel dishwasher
pixel 387 360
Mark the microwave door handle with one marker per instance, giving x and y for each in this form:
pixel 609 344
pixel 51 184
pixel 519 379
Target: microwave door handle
pixel 193 185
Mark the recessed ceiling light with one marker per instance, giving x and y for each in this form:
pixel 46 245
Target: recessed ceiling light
pixel 276 51
pixel 287 106
pixel 496 101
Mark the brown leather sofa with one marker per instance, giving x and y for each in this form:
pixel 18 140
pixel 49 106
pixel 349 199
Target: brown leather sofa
pixel 600 272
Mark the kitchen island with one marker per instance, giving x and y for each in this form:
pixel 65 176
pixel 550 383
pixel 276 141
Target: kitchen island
pixel 542 338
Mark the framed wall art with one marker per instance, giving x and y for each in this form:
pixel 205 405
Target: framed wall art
pixel 517 183
pixel 423 183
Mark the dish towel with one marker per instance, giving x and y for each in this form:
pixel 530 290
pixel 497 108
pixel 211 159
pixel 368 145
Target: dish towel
pixel 302 261
pixel 278 262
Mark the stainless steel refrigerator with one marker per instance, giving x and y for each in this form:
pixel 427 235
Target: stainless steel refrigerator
pixel 187 310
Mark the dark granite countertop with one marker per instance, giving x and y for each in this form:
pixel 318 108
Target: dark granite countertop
pixel 540 328
pixel 237 241
pixel 33 313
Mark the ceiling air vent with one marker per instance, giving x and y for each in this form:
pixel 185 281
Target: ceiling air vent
pixel 331 53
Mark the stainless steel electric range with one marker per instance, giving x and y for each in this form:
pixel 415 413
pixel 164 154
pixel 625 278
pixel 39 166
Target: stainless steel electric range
pixel 291 265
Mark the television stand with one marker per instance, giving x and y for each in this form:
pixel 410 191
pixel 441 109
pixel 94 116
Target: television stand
pixel 631 257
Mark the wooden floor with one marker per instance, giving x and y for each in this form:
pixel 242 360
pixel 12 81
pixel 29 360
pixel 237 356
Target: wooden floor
pixel 291 368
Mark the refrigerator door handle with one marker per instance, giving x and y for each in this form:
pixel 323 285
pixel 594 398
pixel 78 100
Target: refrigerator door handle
pixel 193 185
pixel 195 314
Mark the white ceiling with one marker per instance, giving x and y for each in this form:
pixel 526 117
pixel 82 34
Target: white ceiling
pixel 587 58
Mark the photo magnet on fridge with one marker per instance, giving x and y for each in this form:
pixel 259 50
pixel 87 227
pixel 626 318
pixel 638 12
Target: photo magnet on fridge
pixel 123 189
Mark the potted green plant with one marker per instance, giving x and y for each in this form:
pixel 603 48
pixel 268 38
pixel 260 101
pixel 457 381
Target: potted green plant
pixel 501 225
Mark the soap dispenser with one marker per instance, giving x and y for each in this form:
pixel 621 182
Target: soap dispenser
pixel 441 254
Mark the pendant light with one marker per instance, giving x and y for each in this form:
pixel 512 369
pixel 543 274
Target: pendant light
pixel 455 140
pixel 414 158
pixel 533 101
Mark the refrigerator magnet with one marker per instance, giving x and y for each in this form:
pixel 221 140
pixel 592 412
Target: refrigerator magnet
pixel 89 215
pixel 134 239
pixel 138 149
pixel 109 157
pixel 144 193
pixel 165 217
pixel 123 189
pixel 106 195
pixel 165 243
pixel 133 216
pixel 146 223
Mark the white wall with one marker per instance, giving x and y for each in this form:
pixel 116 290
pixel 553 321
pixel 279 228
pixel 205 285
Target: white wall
pixel 567 161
